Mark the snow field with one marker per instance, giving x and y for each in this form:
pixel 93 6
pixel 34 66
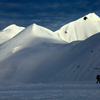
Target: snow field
pixel 50 91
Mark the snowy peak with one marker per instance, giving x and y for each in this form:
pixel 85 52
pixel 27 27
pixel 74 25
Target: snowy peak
pixel 13 27
pixel 10 27
pixel 80 29
pixel 43 32
pixel 9 32
pixel 38 33
pixel 93 16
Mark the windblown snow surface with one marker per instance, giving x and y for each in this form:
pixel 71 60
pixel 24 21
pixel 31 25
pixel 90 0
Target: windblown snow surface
pixel 39 64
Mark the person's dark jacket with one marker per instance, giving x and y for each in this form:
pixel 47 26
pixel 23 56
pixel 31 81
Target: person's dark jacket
pixel 97 76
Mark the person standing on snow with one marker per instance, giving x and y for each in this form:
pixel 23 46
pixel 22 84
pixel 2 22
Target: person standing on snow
pixel 98 78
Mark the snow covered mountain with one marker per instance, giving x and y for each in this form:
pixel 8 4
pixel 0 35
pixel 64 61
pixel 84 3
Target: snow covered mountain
pixel 80 29
pixel 37 54
pixel 9 32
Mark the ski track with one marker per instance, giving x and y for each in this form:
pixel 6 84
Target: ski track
pixel 50 91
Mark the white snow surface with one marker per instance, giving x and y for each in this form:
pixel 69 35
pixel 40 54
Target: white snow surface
pixel 39 55
pixel 49 91
pixel 39 64
pixel 80 29
pixel 9 32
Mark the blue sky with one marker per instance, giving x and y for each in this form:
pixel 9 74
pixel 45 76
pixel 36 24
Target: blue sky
pixel 48 13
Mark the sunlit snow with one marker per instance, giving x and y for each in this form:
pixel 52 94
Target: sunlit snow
pixel 9 32
pixel 39 64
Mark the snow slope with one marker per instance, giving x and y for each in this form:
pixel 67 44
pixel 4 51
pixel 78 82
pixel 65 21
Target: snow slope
pixel 80 29
pixel 33 35
pixel 9 32
pixel 39 55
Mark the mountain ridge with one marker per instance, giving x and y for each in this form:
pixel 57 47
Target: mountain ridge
pixel 38 55
pixel 9 32
pixel 80 29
